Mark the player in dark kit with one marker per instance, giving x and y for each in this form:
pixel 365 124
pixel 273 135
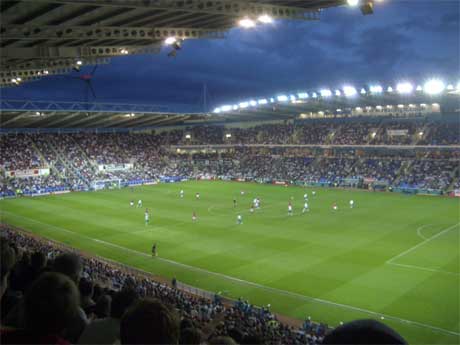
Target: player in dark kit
pixel 154 250
pixel 234 202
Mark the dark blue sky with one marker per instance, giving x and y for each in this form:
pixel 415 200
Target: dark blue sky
pixel 404 40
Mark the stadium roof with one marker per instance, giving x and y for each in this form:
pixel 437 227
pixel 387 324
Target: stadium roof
pixel 36 114
pixel 44 37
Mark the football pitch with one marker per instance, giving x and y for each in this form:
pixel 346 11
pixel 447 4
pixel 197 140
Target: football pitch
pixel 392 257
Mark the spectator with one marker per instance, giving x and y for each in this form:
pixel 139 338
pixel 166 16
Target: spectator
pixel 49 308
pixel 149 322
pixel 107 330
pixel 7 261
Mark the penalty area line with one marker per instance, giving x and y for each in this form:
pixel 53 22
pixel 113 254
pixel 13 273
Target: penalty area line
pixel 263 287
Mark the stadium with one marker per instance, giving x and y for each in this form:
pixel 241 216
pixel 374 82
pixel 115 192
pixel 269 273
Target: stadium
pixel 323 214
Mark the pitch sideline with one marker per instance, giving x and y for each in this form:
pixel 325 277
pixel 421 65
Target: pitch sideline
pixel 263 287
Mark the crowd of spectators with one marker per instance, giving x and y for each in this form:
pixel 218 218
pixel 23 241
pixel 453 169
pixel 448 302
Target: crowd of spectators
pixel 52 294
pixel 77 160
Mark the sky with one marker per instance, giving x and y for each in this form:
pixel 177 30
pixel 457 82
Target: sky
pixel 410 40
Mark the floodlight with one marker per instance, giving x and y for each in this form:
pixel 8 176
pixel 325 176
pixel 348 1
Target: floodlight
pixel 349 91
pixel 363 92
pixel 170 40
pixel 419 88
pixel 404 88
pixel 188 136
pixel 339 110
pixel 252 103
pixel 433 87
pixel 338 93
pixel 353 2
pixel 389 107
pixel 314 95
pixel 423 105
pixel 411 105
pixel 390 89
pixel 262 101
pixel 358 108
pixel 247 23
pixel 368 108
pixel 217 111
pixel 326 93
pixel 376 89
pixel 244 105
pixel 282 98
pixel 373 134
pixel 303 95
pixel 79 62
pixel 226 108
pixel 292 98
pixel 18 79
pixel 266 19
pixel 228 135
pixel 420 133
pixel 45 71
pixel 378 107
pixel 124 51
pixel 272 100
pixel 37 113
pixel 400 106
pixel 450 87
pixel 235 107
pixel 458 86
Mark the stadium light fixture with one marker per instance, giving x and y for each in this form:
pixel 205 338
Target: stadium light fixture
pixel 45 72
pixel 236 107
pixel 124 51
pixel 228 135
pixel 373 134
pixel 458 86
pixel 262 101
pixel 412 106
pixel 389 107
pixel 326 93
pixel 390 89
pixel 363 91
pixel 292 98
pixel 226 108
pixel 37 113
pixel 188 136
pixel 18 79
pixel 217 111
pixel 434 87
pixel 79 62
pixel 358 109
pixel 419 89
pixel 353 3
pixel 252 103
pixel 244 105
pixel 450 87
pixel 420 133
pixel 247 23
pixel 339 110
pixel 338 93
pixel 265 18
pixel 170 40
pixel 404 88
pixel 400 106
pixel 282 98
pixel 314 95
pixel 349 91
pixel 378 107
pixel 302 95
pixel 376 89
pixel 423 105
pixel 272 100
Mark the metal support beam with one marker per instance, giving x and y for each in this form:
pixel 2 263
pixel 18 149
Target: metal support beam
pixel 56 33
pixel 226 7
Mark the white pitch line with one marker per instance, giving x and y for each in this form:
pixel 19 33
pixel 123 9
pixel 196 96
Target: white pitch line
pixel 389 261
pixel 419 231
pixel 289 293
pixel 424 268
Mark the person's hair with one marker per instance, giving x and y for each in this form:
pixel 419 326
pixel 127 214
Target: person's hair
pixel 121 301
pixel 70 265
pixel 51 303
pixel 363 332
pixel 149 321
pixel 7 259
pixel 190 336
pixel 221 340
pixel 86 287
pixel 102 307
pixel 38 261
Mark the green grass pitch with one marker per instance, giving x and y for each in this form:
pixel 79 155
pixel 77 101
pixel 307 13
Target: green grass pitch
pixel 392 256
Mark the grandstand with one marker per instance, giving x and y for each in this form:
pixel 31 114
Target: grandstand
pixel 274 219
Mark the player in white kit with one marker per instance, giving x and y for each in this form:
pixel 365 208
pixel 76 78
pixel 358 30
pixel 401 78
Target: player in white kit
pixel 139 203
pixel 181 193
pixel 352 204
pixel 146 216
pixel 289 209
pixel 305 208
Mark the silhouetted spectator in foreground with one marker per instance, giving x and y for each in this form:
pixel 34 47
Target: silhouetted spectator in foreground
pixel 7 261
pixel 107 331
pixel 363 332
pixel 149 322
pixel 191 336
pixel 50 306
